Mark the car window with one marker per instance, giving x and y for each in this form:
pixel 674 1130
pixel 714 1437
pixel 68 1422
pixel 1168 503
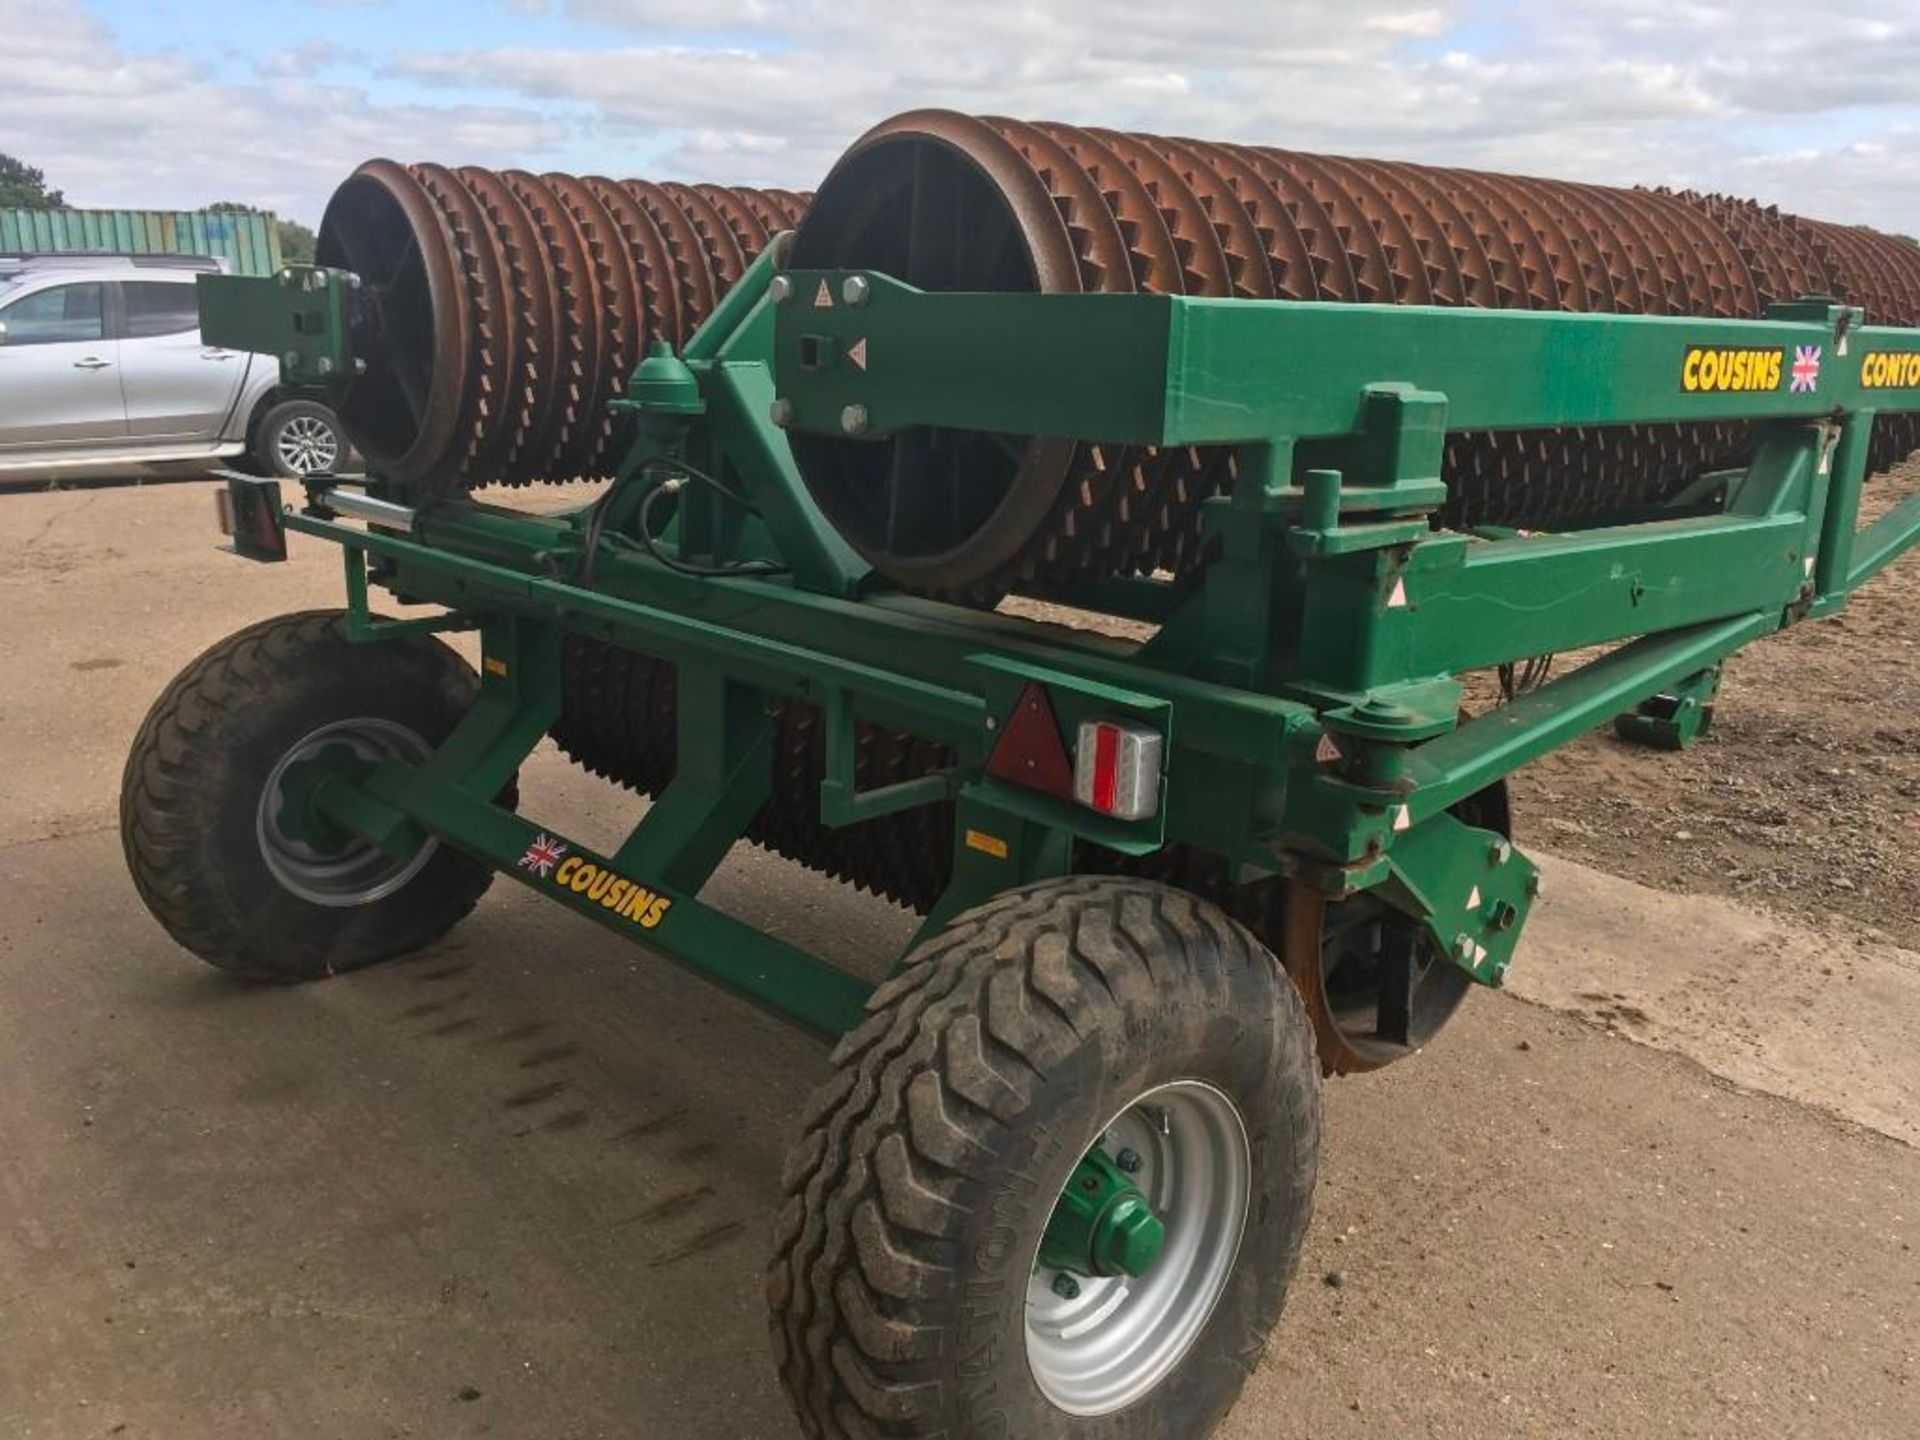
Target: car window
pixel 64 312
pixel 155 307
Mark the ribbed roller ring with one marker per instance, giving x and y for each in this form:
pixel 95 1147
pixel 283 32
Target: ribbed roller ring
pixel 509 308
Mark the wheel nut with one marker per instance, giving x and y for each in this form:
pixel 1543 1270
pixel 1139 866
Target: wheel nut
pixel 780 289
pixel 1129 1161
pixel 855 289
pixel 1066 1287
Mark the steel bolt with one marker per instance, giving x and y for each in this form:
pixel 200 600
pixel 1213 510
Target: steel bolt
pixel 855 290
pixel 1066 1287
pixel 780 289
pixel 781 410
pixel 1463 948
pixel 853 419
pixel 1533 886
pixel 1500 852
pixel 1129 1161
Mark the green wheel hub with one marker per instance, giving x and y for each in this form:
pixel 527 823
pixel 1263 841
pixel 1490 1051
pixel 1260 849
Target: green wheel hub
pixel 1103 1225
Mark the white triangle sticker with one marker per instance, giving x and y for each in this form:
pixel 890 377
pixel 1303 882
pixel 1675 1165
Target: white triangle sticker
pixel 857 352
pixel 823 299
pixel 1402 820
pixel 1398 599
pixel 1473 900
pixel 1326 752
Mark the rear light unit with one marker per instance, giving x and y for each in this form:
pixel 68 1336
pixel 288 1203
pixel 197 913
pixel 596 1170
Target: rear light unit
pixel 1116 768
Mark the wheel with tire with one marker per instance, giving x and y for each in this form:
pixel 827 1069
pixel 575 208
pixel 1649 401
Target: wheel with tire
pixel 298 438
pixel 222 847
pixel 1058 1182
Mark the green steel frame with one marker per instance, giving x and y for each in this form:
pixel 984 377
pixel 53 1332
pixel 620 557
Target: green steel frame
pixel 1307 684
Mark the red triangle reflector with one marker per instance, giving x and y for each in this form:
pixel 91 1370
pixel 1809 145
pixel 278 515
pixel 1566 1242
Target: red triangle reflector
pixel 1030 752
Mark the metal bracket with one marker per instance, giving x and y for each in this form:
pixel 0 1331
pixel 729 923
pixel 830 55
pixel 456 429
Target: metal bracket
pixel 1470 888
pixel 1675 718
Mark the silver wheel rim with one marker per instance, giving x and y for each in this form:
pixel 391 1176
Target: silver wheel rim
pixel 307 445
pixel 362 872
pixel 1104 1348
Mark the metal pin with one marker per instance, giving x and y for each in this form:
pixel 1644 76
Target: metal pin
pixel 853 419
pixel 855 290
pixel 780 289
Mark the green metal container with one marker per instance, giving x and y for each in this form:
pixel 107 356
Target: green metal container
pixel 247 241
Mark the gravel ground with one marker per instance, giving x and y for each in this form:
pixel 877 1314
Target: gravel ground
pixel 521 1186
pixel 1805 795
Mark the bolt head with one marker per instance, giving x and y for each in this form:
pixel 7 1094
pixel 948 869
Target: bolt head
pixel 1066 1287
pixel 855 290
pixel 1463 948
pixel 780 289
pixel 1533 886
pixel 1500 852
pixel 781 412
pixel 1129 1162
pixel 853 420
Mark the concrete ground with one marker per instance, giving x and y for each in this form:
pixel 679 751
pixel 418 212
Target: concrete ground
pixel 521 1186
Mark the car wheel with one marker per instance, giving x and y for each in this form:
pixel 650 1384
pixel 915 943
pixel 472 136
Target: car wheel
pixel 298 438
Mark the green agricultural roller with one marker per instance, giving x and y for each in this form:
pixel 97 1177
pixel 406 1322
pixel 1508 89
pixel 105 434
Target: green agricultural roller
pixel 1057 1182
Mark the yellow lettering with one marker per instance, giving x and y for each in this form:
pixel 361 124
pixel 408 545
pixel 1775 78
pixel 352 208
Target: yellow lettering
pixel 617 894
pixel 1690 372
pixel 583 877
pixel 1773 370
pixel 567 867
pixel 656 912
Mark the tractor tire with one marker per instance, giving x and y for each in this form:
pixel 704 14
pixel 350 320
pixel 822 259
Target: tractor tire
pixel 200 800
pixel 298 438
pixel 907 1294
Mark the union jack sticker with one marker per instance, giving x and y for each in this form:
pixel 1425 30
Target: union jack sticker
pixel 543 854
pixel 1806 370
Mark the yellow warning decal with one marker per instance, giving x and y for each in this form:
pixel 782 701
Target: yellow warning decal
pixel 494 665
pixel 1890 370
pixel 987 844
pixel 1712 368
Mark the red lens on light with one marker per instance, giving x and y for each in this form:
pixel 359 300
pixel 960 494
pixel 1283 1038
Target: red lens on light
pixel 1106 767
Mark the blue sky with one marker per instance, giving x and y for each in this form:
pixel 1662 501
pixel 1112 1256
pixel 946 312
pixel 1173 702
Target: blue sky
pixel 180 102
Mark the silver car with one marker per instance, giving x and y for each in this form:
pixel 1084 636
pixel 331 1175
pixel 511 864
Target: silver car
pixel 102 367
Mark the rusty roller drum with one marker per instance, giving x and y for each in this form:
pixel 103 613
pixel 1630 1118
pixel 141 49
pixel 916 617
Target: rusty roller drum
pixel 508 308
pixel 953 202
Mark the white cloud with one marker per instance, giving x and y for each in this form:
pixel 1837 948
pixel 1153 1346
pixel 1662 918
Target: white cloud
pixel 1410 22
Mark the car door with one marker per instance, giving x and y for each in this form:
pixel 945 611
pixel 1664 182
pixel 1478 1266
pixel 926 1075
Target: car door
pixel 177 389
pixel 59 373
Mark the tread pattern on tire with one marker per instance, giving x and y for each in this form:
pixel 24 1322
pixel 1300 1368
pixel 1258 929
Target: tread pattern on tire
pixel 947 1057
pixel 162 832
